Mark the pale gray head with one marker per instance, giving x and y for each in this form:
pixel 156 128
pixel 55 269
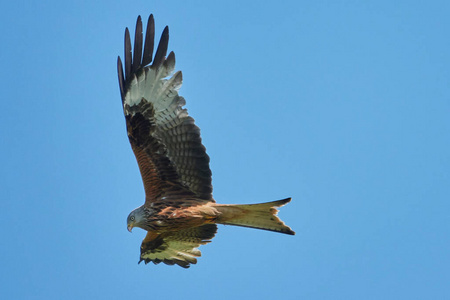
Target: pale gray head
pixel 137 218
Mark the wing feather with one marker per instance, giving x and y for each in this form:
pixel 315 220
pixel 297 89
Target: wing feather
pixel 178 247
pixel 161 51
pixel 137 46
pixel 164 138
pixel 149 41
pixel 121 78
pixel 127 54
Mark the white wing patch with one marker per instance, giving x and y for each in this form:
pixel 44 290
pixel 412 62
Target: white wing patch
pixel 153 85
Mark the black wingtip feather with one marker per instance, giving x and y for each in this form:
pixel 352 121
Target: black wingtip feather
pixel 127 54
pixel 149 41
pixel 138 41
pixel 170 60
pixel 162 48
pixel 121 78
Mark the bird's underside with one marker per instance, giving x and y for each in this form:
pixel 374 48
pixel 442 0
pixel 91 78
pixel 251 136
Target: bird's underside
pixel 179 213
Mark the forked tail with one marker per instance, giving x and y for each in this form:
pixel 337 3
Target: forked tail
pixel 261 216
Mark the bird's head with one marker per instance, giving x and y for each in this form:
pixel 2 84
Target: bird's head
pixel 136 218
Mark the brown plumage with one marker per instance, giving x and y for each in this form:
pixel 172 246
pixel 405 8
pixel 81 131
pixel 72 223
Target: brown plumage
pixel 179 213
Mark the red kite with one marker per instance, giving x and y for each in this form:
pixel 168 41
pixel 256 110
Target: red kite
pixel 179 213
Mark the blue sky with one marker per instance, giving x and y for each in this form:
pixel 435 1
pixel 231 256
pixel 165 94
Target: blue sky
pixel 342 105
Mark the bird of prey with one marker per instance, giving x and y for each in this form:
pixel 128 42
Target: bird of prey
pixel 179 213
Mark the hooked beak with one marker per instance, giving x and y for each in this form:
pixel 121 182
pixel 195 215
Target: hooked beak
pixel 130 227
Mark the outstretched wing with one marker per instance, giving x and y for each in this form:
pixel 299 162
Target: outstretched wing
pixel 163 137
pixel 176 247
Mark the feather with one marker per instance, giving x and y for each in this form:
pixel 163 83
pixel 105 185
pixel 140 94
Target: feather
pixel 127 54
pixel 121 78
pixel 162 48
pixel 149 41
pixel 137 46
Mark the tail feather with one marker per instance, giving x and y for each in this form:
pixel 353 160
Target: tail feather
pixel 261 216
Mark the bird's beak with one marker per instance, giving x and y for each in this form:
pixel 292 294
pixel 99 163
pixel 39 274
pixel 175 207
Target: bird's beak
pixel 130 227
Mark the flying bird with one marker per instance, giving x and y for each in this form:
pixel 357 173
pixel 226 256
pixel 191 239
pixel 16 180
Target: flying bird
pixel 179 213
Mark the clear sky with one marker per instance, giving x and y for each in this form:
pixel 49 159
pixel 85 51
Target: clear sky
pixel 342 105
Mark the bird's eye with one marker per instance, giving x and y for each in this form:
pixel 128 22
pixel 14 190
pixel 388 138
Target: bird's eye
pixel 132 218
